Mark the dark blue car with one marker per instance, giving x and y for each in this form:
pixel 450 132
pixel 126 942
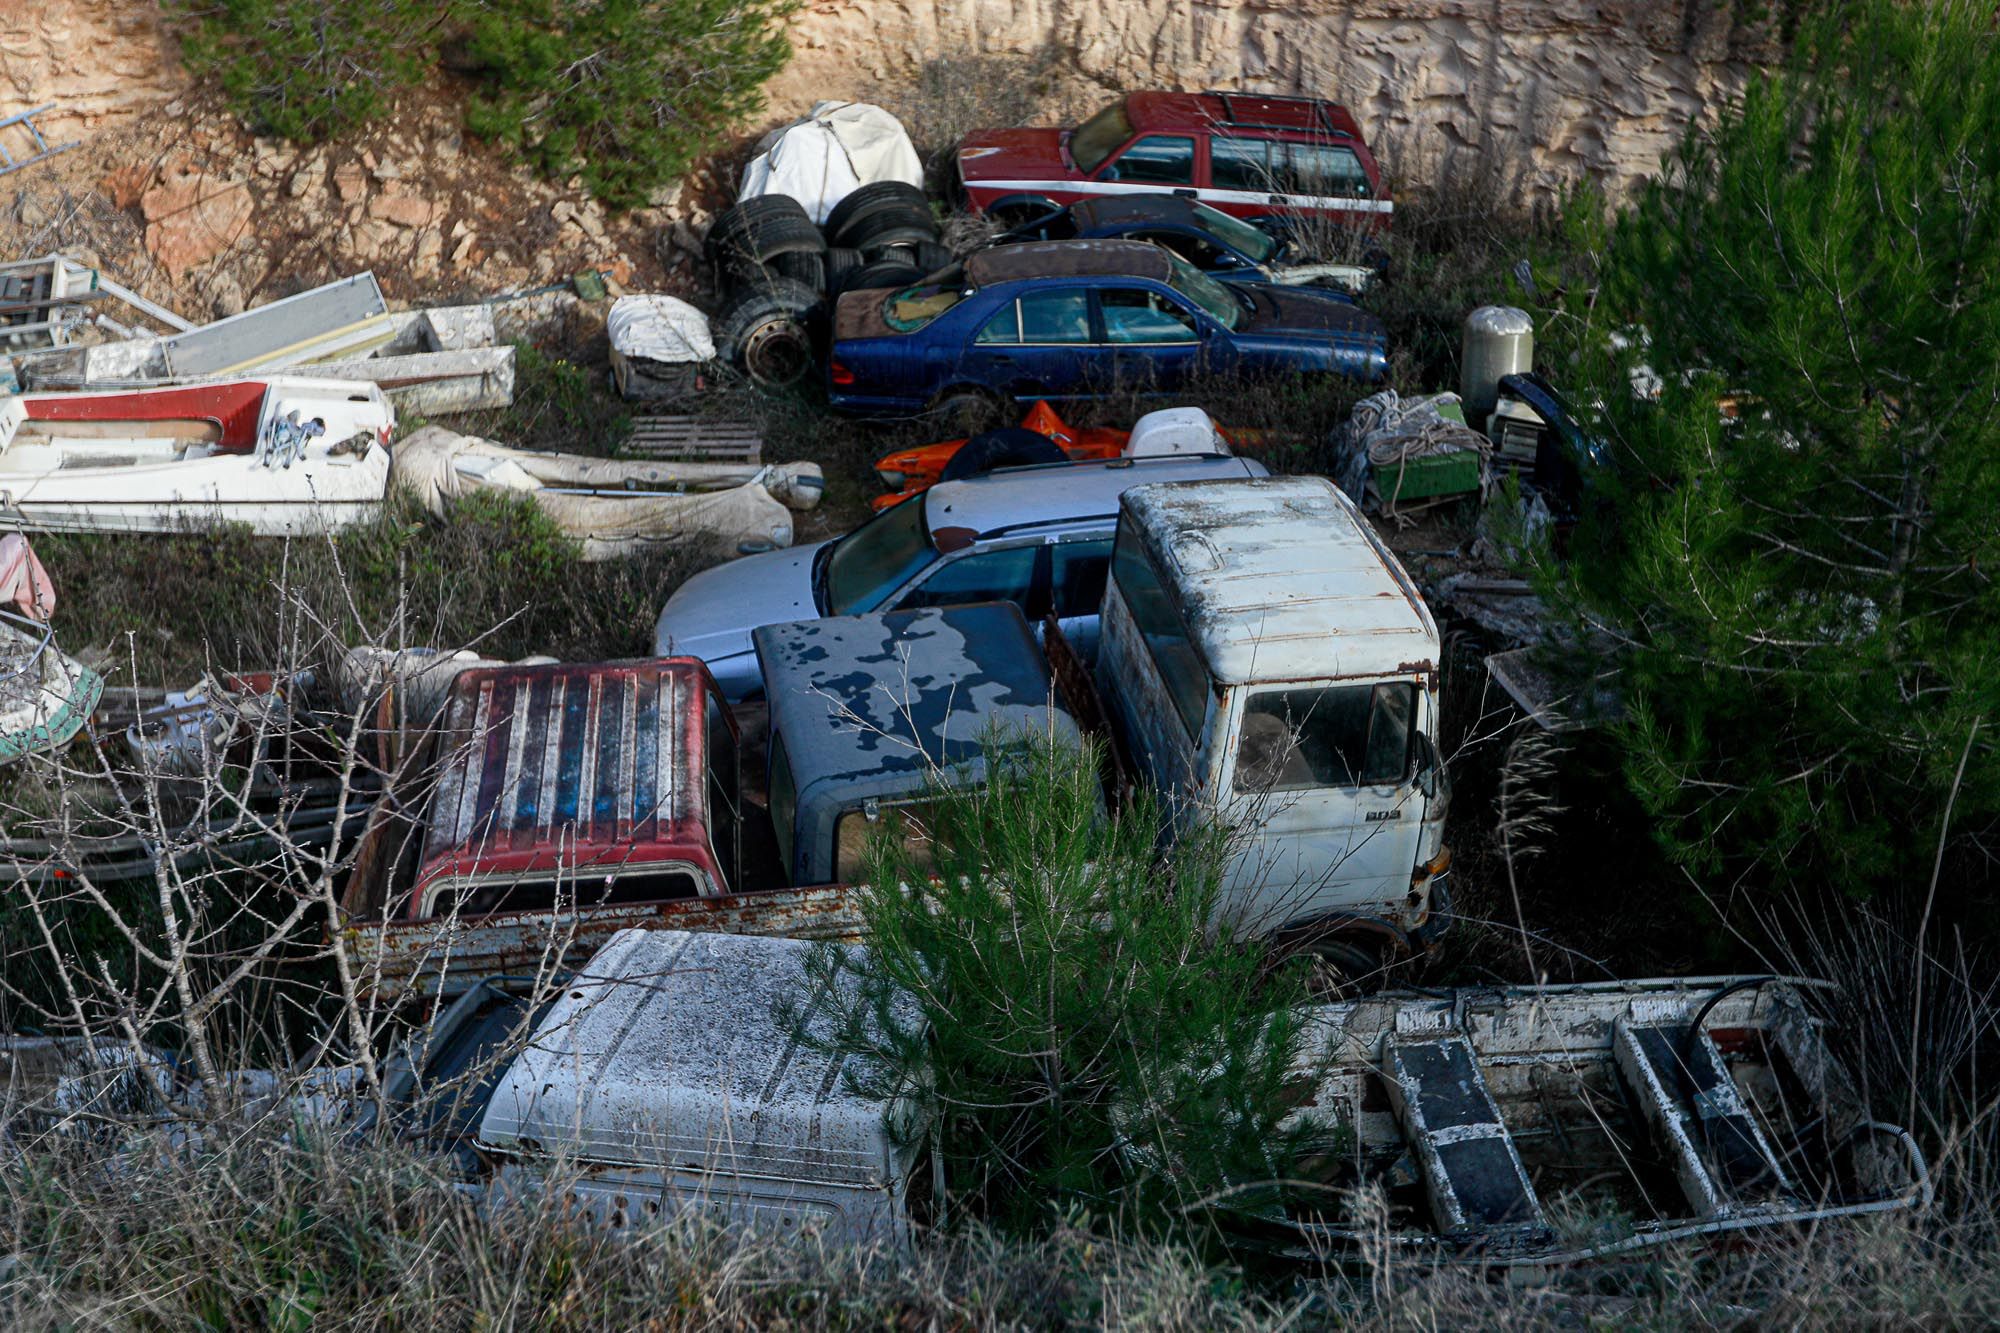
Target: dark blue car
pixel 1066 320
pixel 1219 245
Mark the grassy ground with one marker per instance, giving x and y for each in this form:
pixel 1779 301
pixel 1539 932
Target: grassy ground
pixel 295 1233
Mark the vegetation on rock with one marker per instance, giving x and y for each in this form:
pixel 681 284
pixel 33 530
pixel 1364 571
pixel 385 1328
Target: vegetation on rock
pixel 624 93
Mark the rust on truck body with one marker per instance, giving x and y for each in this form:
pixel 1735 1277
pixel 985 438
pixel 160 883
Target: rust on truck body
pixel 549 785
pixel 397 959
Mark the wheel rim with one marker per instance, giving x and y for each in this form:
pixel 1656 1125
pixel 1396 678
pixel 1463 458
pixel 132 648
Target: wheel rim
pixel 777 352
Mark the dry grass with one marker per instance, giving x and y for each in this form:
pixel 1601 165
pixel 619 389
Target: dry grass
pixel 261 1229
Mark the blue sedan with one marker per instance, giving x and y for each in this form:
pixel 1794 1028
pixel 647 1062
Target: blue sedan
pixel 1068 320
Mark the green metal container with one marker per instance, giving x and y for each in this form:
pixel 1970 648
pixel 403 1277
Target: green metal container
pixel 1421 478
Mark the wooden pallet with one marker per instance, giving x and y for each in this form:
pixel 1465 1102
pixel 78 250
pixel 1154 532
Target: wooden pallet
pixel 695 438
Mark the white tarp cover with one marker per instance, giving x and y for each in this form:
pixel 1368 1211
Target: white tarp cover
pixel 732 507
pixel 822 158
pixel 659 328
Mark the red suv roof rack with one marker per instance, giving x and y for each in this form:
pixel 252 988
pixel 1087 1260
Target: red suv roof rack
pixel 1232 116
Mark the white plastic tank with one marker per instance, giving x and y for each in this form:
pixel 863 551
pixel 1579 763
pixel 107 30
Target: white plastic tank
pixel 1499 340
pixel 1174 430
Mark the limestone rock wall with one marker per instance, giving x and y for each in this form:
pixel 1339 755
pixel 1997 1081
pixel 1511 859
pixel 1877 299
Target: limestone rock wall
pixel 1551 89
pixel 102 62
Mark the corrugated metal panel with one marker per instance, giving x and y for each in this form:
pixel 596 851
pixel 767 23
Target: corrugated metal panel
pixel 561 759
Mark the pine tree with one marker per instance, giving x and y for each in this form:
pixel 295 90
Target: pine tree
pixel 1806 593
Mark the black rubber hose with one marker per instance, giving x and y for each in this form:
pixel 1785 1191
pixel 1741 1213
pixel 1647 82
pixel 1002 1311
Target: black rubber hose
pixel 1708 1006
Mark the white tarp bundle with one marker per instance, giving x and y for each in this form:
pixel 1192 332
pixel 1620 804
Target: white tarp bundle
pixel 822 158
pixel 659 328
pixel 737 509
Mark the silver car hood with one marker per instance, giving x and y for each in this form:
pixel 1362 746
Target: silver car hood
pixel 711 615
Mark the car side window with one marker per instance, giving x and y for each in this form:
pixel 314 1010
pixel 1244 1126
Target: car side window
pixel 1004 327
pixel 1157 159
pixel 1327 171
pixel 1055 317
pixel 1003 575
pixel 1077 577
pixel 1239 164
pixel 1132 316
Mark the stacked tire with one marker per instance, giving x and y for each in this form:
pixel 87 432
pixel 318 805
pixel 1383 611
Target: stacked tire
pixel 780 274
pixel 770 263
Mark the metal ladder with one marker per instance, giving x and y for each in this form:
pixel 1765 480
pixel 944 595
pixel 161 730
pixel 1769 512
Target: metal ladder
pixel 25 120
pixel 1473 1174
pixel 1696 1114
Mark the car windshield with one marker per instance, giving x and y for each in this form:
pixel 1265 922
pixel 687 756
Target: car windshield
pixel 877 558
pixel 1219 301
pixel 914 307
pixel 1100 136
pixel 1236 234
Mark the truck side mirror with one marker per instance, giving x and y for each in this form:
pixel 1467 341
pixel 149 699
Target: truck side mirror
pixel 1429 767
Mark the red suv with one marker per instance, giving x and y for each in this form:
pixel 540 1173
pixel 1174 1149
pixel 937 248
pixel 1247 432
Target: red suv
pixel 1251 154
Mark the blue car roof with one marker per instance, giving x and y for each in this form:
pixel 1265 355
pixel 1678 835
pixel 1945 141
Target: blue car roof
pixel 1124 210
pixel 1067 259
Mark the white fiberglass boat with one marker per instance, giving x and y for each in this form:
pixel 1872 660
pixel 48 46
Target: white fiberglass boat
pixel 280 454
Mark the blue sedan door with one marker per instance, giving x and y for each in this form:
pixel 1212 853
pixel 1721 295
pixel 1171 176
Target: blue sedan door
pixel 1041 345
pixel 1158 345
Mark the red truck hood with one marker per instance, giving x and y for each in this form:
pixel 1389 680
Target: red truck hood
pixel 1028 154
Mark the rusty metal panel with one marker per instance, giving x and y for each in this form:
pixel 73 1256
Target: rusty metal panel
pixel 1067 259
pixel 555 765
pixel 670 1049
pixel 403 958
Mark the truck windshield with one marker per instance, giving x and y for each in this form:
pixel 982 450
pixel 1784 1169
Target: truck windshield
pixel 1238 235
pixel 877 558
pixel 1221 303
pixel 854 832
pixel 1099 136
pixel 1343 736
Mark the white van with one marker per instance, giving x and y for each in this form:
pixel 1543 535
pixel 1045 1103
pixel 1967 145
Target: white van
pixel 1269 663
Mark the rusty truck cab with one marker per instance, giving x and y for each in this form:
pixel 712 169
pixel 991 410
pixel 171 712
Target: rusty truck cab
pixel 589 785
pixel 872 715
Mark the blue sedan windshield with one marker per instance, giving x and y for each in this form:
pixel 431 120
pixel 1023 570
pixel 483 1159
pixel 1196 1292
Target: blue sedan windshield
pixel 877 558
pixel 1246 239
pixel 1221 303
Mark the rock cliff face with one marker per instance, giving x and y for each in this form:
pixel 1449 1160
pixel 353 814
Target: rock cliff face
pixel 101 62
pixel 1548 89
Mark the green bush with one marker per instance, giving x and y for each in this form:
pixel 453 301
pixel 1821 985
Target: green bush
pixel 626 93
pixel 309 69
pixel 1083 1043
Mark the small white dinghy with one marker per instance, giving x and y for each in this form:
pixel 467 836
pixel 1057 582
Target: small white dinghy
pixel 281 455
pixel 45 697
